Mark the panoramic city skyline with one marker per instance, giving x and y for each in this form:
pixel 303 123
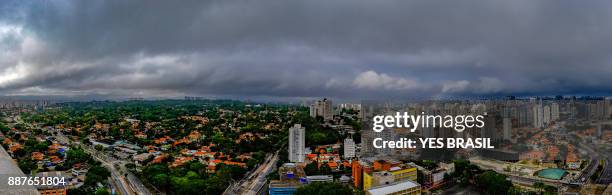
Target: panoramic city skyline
pixel 280 49
pixel 277 97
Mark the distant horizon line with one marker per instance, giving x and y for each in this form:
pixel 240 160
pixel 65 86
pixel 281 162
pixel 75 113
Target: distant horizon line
pixel 293 100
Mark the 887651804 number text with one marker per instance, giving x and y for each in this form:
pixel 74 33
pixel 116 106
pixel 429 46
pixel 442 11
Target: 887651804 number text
pixel 36 181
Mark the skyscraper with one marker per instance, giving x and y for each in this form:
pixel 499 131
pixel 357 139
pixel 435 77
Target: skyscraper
pixel 490 130
pixel 507 128
pixel 546 116
pixel 297 143
pixel 322 108
pixel 601 110
pixel 538 116
pixel 608 109
pixel 554 111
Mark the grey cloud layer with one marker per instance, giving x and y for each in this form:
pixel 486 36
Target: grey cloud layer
pixel 350 49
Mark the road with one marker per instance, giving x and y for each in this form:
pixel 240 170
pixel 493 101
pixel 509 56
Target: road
pixel 252 183
pixel 120 184
pixel 130 185
pixel 589 170
pixel 606 174
pixel 118 178
pixel 597 156
pixel 127 185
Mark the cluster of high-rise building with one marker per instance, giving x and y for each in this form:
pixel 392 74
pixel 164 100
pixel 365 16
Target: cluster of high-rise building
pixel 539 113
pixel 502 119
pixel 17 103
pixel 543 115
pixel 322 108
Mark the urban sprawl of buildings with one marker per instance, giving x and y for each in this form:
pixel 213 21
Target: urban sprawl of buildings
pixel 559 142
pixel 557 145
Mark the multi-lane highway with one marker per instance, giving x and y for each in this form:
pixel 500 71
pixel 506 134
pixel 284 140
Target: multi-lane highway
pixel 606 174
pixel 597 157
pixel 253 182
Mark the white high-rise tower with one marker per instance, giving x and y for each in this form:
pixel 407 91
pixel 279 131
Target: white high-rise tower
pixel 349 148
pixel 538 116
pixel 546 116
pixel 297 143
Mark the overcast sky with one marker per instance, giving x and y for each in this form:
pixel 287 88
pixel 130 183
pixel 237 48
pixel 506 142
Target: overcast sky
pixel 285 49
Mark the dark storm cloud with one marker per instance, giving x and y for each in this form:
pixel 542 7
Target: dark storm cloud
pixel 349 49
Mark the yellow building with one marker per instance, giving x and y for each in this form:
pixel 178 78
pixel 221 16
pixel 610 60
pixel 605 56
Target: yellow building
pixel 404 173
pixel 394 174
pixel 367 181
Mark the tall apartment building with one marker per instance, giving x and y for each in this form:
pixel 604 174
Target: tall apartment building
pixel 554 111
pixel 490 130
pixel 601 110
pixel 546 115
pixel 507 123
pixel 322 108
pixel 349 148
pixel 538 116
pixel 297 143
pixel 608 109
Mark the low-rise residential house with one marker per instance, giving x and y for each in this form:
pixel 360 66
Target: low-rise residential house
pixel 139 159
pixel 180 161
pixel 38 156
pixel 55 159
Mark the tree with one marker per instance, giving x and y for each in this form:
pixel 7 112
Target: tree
pixel 3 128
pixel 493 183
pixel 324 188
pixel 251 163
pixel 311 169
pixel 27 165
pixel 538 186
pixel 325 169
pixel 102 191
pixel 99 147
pixel 96 174
pixel 80 191
pixel 42 146
pixel 77 155
pixel 550 190
pixel 153 170
pixel 188 184
pixel 233 171
pixel 161 180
